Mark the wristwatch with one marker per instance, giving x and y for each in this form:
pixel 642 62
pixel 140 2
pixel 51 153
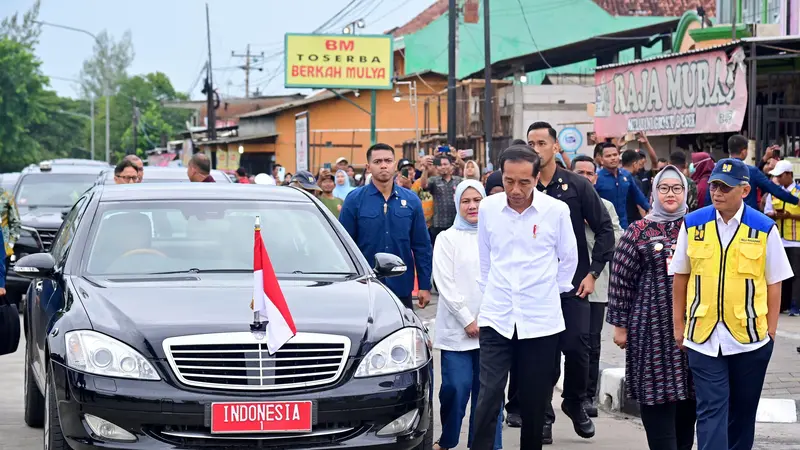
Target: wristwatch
pixel 595 274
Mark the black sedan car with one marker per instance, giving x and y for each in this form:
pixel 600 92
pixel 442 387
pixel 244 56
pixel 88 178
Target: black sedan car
pixel 139 333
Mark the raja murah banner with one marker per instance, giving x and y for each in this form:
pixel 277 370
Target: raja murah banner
pixel 699 93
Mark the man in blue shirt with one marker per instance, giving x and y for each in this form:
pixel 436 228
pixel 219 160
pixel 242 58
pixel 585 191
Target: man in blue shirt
pixel 737 148
pixel 616 184
pixel 383 217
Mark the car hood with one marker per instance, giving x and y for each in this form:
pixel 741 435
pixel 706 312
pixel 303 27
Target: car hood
pixel 144 312
pixel 49 218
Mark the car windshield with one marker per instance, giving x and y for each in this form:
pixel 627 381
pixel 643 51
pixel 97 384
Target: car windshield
pixel 140 238
pixel 57 190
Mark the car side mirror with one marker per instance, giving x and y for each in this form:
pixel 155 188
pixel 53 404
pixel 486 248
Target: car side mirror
pixel 388 265
pixel 37 265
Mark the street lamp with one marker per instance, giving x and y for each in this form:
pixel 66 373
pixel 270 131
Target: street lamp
pixel 412 99
pixel 105 87
pixel 350 28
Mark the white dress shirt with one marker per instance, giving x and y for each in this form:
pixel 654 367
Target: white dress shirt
pixel 526 261
pixel 455 270
pixel 777 270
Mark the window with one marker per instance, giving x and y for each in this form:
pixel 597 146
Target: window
pixel 54 190
pixel 752 11
pixel 170 236
pixel 66 233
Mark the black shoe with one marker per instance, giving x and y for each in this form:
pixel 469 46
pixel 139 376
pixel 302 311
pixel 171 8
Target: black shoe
pixel 583 425
pixel 590 408
pixel 514 420
pixel 547 433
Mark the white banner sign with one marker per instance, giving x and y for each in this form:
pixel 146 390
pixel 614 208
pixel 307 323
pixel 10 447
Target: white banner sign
pixel 301 141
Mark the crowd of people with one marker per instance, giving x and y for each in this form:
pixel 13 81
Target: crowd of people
pixel 685 262
pixel 531 260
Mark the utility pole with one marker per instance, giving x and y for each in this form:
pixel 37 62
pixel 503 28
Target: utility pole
pixel 135 126
pixel 247 67
pixel 91 113
pixel 211 113
pixel 451 77
pixel 488 110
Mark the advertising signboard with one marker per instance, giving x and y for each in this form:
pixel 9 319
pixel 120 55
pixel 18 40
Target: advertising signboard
pixel 339 61
pixel 698 93
pixel 301 134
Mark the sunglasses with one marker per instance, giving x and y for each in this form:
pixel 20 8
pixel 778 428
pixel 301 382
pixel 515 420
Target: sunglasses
pixel 722 187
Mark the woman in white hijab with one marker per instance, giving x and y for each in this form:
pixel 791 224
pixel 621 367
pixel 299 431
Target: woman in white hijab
pixel 640 309
pixel 455 270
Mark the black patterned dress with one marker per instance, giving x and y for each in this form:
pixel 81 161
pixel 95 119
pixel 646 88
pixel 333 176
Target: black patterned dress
pixel 640 299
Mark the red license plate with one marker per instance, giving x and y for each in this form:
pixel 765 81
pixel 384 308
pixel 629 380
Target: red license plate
pixel 261 417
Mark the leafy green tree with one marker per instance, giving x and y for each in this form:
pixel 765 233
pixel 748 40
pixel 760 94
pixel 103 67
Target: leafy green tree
pixel 108 66
pixel 62 133
pixel 23 30
pixel 147 92
pixel 21 87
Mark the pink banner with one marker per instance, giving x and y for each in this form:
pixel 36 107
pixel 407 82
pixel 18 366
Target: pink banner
pixel 701 93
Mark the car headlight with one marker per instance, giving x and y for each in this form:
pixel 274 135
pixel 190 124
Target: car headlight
pixel 92 352
pixel 399 352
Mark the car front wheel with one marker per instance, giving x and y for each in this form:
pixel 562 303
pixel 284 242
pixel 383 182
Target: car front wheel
pixel 53 438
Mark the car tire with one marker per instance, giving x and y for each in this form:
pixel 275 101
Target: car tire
pixel 427 442
pixel 53 437
pixel 32 396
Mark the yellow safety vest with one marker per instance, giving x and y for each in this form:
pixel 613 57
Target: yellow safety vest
pixel 727 285
pixel 788 228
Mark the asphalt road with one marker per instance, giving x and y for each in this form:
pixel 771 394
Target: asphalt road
pixel 613 431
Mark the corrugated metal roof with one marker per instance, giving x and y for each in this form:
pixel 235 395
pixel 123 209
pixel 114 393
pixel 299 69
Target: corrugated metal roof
pixel 758 40
pixel 670 55
pixel 553 23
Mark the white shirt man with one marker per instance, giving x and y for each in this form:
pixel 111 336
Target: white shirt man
pixel 528 256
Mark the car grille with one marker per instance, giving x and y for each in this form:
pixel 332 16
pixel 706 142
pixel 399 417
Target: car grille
pixel 239 361
pixel 47 237
pixel 200 437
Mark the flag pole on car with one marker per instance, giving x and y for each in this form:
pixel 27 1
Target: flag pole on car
pixel 271 315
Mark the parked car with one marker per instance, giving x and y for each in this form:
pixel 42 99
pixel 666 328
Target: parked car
pixel 43 192
pixel 136 338
pixel 155 174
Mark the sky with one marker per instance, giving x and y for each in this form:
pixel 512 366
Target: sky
pixel 170 35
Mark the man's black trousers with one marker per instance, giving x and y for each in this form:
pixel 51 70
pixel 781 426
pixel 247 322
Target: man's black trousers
pixel 497 355
pixel 574 343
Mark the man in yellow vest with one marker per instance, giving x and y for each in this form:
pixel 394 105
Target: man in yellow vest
pixel 728 267
pixel 787 218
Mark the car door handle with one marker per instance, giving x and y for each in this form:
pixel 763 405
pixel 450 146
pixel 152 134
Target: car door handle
pixel 38 287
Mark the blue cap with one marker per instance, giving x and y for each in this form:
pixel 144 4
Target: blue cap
pixel 306 180
pixel 730 171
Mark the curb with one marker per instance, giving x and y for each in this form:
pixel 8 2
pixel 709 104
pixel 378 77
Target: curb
pixel 612 396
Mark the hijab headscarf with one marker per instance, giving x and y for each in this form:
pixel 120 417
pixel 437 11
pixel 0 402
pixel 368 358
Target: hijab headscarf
pixel 477 167
pixel 494 180
pixel 703 165
pixel 461 223
pixel 657 212
pixel 341 190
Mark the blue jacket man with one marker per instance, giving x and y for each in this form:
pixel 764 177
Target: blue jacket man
pixel 737 148
pixel 383 217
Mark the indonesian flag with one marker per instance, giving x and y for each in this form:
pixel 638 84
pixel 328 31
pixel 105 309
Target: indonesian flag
pixel 268 300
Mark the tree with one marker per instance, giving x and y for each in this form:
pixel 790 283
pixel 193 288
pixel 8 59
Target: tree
pixel 108 67
pixel 148 92
pixel 61 133
pixel 21 87
pixel 26 31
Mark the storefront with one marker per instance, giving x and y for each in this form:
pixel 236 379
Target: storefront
pixel 697 98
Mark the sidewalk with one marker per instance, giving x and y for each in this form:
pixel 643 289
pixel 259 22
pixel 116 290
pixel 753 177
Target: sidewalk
pixel 780 397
